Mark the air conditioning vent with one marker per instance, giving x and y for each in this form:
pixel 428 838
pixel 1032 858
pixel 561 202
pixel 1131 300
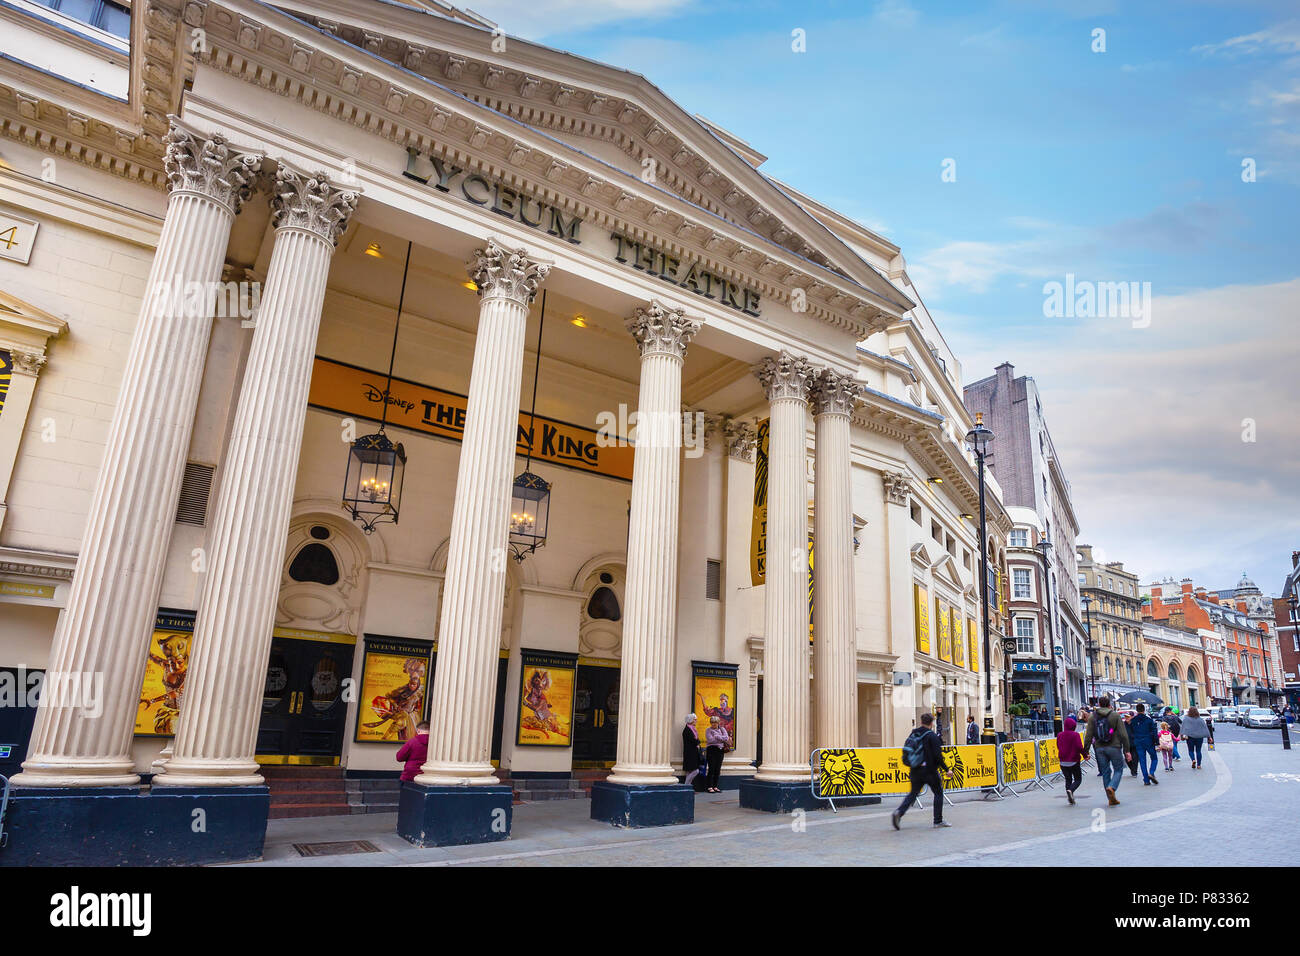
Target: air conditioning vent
pixel 713 580
pixel 195 488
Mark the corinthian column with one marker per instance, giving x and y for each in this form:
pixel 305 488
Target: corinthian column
pixel 464 686
pixel 82 736
pixel 216 739
pixel 786 380
pixel 835 663
pixel 645 719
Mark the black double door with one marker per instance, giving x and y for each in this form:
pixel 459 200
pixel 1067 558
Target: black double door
pixel 595 716
pixel 304 714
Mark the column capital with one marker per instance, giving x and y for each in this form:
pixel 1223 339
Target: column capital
pixel 785 376
pixel 662 330
pixel 312 203
pixel 835 393
pixel 209 166
pixel 897 486
pixel 742 438
pixel 507 273
pixel 27 362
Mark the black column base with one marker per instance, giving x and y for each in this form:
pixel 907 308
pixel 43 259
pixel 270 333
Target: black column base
pixel 133 826
pixel 775 796
pixel 454 816
pixel 626 805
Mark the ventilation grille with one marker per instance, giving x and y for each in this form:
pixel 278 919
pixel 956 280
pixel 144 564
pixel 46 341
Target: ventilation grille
pixel 195 487
pixel 713 580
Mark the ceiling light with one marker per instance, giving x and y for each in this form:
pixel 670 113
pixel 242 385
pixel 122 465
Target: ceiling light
pixel 935 481
pixel 469 284
pixel 375 250
pixel 579 320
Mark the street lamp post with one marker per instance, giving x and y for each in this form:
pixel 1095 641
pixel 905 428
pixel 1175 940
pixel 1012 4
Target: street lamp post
pixel 1043 547
pixel 979 438
pixel 1092 664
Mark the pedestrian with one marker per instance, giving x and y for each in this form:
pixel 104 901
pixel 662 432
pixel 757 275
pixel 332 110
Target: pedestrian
pixel 1142 734
pixel 1070 747
pixel 972 730
pixel 414 752
pixel 1108 732
pixel 691 762
pixel 1166 745
pixel 923 756
pixel 1175 730
pixel 1195 730
pixel 717 740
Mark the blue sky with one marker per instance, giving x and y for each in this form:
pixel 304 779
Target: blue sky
pixel 1180 439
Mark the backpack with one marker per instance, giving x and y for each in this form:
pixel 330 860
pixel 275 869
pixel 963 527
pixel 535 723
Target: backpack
pixel 1102 731
pixel 914 748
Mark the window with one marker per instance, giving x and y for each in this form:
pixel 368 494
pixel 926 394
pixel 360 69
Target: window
pixel 936 532
pixel 1026 638
pixel 1019 538
pixel 1082 579
pixel 916 513
pixel 1020 584
pixel 110 17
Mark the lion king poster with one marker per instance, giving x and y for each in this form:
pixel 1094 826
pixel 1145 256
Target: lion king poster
pixel 546 692
pixel 164 673
pixel 395 677
pixel 714 694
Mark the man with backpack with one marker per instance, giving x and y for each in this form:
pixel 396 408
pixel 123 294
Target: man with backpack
pixel 923 757
pixel 1107 730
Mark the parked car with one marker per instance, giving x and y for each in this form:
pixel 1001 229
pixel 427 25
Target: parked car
pixel 1262 717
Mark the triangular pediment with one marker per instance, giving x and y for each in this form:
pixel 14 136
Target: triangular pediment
pixel 616 116
pixel 945 569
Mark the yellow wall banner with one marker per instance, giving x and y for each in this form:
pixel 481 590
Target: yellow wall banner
pixel 1018 762
pixel 164 673
pixel 1049 757
pixel 972 637
pixel 945 634
pixel 970 767
pixel 958 645
pixel 348 390
pixel 758 534
pixel 921 598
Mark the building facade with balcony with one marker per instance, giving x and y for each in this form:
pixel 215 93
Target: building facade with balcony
pixel 1113 605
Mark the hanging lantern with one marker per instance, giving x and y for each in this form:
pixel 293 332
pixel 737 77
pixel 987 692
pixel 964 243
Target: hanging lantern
pixel 529 510
pixel 372 490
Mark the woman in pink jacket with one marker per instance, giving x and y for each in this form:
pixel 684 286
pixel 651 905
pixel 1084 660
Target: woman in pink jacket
pixel 1070 746
pixel 415 751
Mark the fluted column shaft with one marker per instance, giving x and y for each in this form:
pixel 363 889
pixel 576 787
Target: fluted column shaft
pixel 216 739
pixel 785 650
pixel 464 685
pixel 835 716
pixel 84 726
pixel 645 719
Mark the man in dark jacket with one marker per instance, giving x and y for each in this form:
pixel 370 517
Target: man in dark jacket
pixel 925 741
pixel 1142 729
pixel 1111 736
pixel 972 730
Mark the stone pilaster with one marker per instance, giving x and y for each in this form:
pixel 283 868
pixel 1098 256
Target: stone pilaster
pixel 835 719
pixel 464 686
pixel 217 734
pixel 646 720
pixel 786 380
pixel 102 637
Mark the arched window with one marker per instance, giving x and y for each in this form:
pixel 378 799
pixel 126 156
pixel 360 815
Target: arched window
pixel 603 604
pixel 1128 670
pixel 1173 672
pixel 1108 670
pixel 315 562
pixel 1151 670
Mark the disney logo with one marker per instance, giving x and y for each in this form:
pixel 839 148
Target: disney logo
pixel 379 395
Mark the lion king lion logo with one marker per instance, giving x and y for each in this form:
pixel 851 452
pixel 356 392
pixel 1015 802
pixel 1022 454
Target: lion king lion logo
pixel 841 774
pixel 1010 765
pixel 955 777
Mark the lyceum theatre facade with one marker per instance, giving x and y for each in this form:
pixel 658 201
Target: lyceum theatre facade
pixel 326 166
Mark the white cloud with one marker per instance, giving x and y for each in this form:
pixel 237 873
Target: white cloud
pixel 1279 38
pixel 1149 425
pixel 895 13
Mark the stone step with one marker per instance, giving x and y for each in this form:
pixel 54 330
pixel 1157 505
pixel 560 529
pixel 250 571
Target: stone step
pixel 301 797
pixel 291 810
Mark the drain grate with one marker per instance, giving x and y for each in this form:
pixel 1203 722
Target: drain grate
pixel 335 849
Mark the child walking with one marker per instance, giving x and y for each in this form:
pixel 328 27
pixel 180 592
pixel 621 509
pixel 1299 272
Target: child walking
pixel 1166 745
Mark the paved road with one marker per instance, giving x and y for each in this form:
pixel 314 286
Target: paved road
pixel 1248 796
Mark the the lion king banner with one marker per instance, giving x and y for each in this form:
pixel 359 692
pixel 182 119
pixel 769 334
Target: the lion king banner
pixel 1018 762
pixel 1049 757
pixel 547 683
pixel 862 771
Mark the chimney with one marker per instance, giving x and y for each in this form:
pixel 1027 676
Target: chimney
pixel 1006 373
pixel 1241 606
pixel 1187 585
pixel 1295 559
pixel 1214 599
